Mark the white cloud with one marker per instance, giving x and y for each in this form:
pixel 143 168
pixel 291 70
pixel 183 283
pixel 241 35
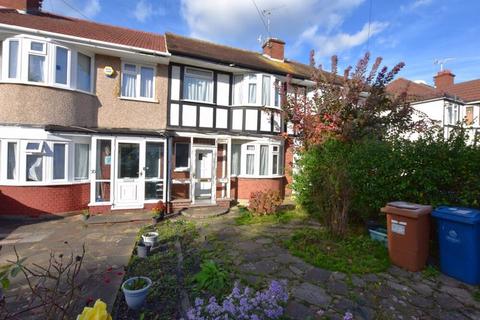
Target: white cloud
pixel 144 10
pixel 415 5
pixel 78 9
pixel 235 22
pixel 333 44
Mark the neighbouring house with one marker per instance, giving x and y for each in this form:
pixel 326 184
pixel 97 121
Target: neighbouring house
pixel 447 103
pixel 99 117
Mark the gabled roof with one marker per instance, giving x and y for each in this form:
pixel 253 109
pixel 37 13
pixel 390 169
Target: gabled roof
pixel 467 91
pixel 84 29
pixel 193 48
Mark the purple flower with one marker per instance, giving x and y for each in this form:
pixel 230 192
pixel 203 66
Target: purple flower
pixel 348 316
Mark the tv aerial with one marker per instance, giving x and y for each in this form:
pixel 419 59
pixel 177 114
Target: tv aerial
pixel 442 62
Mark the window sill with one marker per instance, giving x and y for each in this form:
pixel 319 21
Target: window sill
pixel 182 169
pixel 41 184
pixel 198 101
pixel 243 176
pixel 138 99
pixel 46 85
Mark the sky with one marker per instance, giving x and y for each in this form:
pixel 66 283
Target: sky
pixel 417 32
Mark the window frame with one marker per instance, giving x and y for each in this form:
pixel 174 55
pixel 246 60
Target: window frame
pixel 182 168
pixel 65 163
pixel 138 80
pixel 44 53
pixel 92 64
pixel 268 97
pixel 186 73
pixel 74 151
pixel 69 67
pixel 257 159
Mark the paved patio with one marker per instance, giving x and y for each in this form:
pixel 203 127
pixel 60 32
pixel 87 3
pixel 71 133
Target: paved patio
pixel 109 242
pixel 258 257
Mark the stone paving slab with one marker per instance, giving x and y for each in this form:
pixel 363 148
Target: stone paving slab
pixel 321 294
pixel 108 250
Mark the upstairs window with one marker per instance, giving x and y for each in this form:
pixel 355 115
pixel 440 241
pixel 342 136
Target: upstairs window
pixel 198 85
pixel 252 89
pixel 84 72
pixel 266 85
pixel 37 56
pixel 61 66
pixel 237 89
pixel 13 59
pixel 137 81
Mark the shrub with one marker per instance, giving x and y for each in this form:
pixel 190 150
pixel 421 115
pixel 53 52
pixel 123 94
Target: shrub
pixel 243 305
pixel 263 203
pixel 211 278
pixel 342 181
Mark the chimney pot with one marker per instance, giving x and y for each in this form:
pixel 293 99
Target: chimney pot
pixel 444 79
pixel 274 48
pixel 29 6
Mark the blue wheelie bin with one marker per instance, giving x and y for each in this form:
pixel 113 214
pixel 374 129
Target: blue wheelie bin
pixel 459 241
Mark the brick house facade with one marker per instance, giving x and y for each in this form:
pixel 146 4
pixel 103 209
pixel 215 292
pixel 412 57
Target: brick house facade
pixel 105 118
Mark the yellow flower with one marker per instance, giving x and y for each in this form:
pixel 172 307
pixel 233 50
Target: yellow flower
pixel 98 312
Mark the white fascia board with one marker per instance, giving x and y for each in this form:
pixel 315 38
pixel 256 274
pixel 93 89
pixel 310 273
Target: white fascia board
pixel 97 44
pixel 224 136
pixel 436 99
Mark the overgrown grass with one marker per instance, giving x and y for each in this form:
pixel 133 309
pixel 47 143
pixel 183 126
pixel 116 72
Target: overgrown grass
pixel 283 216
pixel 353 254
pixel 430 272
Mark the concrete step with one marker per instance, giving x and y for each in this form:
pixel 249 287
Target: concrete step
pixel 203 212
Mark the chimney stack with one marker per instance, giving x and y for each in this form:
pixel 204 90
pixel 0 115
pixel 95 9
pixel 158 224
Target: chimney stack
pixel 274 48
pixel 29 6
pixel 444 79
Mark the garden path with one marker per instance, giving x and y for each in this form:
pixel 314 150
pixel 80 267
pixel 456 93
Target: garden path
pixel 257 256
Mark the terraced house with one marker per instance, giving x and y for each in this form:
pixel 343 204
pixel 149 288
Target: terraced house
pixel 105 118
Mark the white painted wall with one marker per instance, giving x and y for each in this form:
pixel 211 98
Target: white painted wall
pixel 223 89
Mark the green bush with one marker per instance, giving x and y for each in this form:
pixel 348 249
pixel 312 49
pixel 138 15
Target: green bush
pixel 363 176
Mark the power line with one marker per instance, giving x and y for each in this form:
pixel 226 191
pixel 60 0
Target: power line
pixel 261 17
pixel 75 9
pixel 369 24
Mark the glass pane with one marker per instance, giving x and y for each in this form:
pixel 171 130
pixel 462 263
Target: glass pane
pixel 36 68
pixel 266 90
pixel 250 148
pixel 12 161
pixel 104 159
pixel 61 65
pixel 128 85
pixel 275 164
pixel 236 158
pixel 33 146
pixel 252 93
pixel 37 46
pixel 182 151
pixel 237 90
pixel 82 155
pixel 129 68
pixel 153 160
pixel 146 82
pixel 128 160
pixel 198 89
pixel 84 72
pixel 102 193
pixel 13 59
pixel 58 161
pixel 153 190
pixel 250 164
pixel 34 168
pixel 263 160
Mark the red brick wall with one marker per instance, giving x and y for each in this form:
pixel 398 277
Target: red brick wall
pixel 38 200
pixel 241 188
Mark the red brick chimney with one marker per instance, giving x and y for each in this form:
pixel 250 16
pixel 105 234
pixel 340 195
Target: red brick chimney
pixel 443 79
pixel 30 6
pixel 274 48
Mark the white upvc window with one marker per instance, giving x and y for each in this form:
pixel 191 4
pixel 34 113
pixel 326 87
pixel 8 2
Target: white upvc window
pixel 12 160
pixel 266 90
pixel 60 161
pixel 62 68
pixel 277 94
pixel 11 67
pixel 84 68
pixel 33 161
pixel 37 61
pixel 236 159
pixel 238 89
pixel 81 161
pixel 252 89
pixel 138 81
pixel 259 159
pixel 198 85
pixel 452 113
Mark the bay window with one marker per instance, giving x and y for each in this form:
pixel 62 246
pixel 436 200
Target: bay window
pixel 46 62
pixel 264 160
pixel 138 81
pixel 198 85
pixel 252 89
pixel 237 89
pixel 250 160
pixel 275 159
pixel 59 159
pixel 12 156
pixel 257 159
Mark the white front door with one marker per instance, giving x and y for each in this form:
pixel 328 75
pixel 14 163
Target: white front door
pixel 203 176
pixel 129 174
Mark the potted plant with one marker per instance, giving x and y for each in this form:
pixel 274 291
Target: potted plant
pixel 85 215
pixel 142 250
pixel 150 238
pixel 158 213
pixel 135 290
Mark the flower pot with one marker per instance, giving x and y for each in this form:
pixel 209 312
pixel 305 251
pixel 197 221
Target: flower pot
pixel 136 298
pixel 150 237
pixel 142 250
